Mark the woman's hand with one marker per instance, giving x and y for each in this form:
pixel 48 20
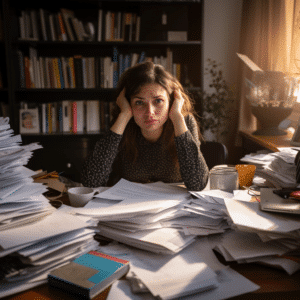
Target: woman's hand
pixel 124 105
pixel 175 110
pixel 124 116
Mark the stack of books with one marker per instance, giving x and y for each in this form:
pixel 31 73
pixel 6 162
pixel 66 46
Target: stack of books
pixel 65 26
pixel 66 117
pixel 79 71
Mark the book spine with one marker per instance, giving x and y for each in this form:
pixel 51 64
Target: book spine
pixel 52 27
pixel 56 73
pixel 78 71
pixel 21 69
pixel 44 120
pixel 80 116
pixel 66 15
pixel 62 27
pixel 72 72
pixel 100 17
pixel 65 285
pixel 74 116
pixel 115 67
pixel 61 76
pixel 27 73
pixel 66 116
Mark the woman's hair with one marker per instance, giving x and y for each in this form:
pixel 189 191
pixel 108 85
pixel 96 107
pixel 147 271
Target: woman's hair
pixel 133 79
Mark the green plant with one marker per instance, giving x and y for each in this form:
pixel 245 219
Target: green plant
pixel 216 101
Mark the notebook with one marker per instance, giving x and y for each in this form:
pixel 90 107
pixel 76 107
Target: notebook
pixel 272 202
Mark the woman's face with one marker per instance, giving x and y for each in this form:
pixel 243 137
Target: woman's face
pixel 150 108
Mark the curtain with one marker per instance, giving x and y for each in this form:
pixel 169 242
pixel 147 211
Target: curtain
pixel 268 31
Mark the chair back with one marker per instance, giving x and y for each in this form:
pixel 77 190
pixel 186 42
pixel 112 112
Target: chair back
pixel 215 153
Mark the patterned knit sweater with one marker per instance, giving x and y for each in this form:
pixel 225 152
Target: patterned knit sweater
pixel 107 164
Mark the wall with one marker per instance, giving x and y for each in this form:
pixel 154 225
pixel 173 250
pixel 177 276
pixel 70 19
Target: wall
pixel 221 37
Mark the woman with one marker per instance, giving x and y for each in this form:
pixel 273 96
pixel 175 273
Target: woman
pixel 154 136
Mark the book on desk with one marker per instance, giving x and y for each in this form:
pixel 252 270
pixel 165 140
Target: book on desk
pixel 89 274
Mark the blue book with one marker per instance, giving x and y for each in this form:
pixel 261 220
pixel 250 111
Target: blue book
pixel 61 74
pixel 127 61
pixel 89 274
pixel 115 67
pixel 142 57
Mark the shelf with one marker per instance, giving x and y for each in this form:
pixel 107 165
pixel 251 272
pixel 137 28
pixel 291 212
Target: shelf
pixel 35 95
pixel 61 135
pixel 108 44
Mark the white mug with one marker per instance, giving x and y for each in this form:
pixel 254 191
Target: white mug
pixel 80 196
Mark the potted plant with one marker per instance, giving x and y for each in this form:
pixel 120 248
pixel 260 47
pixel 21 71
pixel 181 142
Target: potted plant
pixel 217 102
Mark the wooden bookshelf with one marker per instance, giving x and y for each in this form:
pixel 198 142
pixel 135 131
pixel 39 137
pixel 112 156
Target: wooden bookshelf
pixel 150 39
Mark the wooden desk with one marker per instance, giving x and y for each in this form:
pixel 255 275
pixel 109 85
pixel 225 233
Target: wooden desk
pixel 274 283
pixel 253 143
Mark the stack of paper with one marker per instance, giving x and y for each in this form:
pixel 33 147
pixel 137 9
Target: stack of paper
pixel 39 247
pixel 34 237
pixel 157 217
pixel 259 236
pixel 276 169
pixel 194 273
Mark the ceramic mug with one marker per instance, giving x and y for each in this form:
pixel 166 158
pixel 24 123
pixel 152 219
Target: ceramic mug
pixel 246 174
pixel 80 196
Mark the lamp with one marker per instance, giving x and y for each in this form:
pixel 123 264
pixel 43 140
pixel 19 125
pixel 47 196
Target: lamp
pixel 272 96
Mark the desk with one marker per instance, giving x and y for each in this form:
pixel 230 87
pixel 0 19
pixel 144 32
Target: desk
pixel 252 143
pixel 274 284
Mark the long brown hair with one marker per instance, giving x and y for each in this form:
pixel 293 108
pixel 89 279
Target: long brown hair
pixel 132 80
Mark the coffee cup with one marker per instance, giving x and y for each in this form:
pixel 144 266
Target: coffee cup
pixel 246 174
pixel 80 196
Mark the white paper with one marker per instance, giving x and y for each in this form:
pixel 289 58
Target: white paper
pixel 249 215
pixel 52 225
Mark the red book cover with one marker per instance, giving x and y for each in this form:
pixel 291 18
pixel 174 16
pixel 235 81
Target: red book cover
pixel 27 74
pixel 74 116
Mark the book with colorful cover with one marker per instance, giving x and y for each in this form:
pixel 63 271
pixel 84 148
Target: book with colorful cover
pixel 89 274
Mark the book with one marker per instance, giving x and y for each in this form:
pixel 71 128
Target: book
pixel 74 117
pixel 66 116
pixel 100 21
pixel 80 116
pixel 62 27
pixel 68 14
pixel 89 274
pixel 43 24
pixel 78 71
pixel 92 116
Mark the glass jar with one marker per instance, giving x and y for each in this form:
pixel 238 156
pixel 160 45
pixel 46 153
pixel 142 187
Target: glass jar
pixel 225 178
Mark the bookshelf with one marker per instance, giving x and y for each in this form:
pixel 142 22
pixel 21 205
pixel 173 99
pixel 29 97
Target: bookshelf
pixel 48 65
pixel 4 104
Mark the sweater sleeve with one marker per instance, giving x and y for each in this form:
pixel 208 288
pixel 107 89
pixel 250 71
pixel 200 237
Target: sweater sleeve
pixel 193 168
pixel 98 165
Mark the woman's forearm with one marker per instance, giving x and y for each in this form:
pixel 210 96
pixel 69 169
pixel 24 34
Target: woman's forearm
pixel 121 123
pixel 179 125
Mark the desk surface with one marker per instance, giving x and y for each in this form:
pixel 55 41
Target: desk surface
pixel 270 142
pixel 274 283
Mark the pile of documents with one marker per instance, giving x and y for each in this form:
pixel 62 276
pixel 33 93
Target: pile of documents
pixel 156 217
pixel 258 236
pixel 194 273
pixel 276 169
pixel 172 226
pixel 34 236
